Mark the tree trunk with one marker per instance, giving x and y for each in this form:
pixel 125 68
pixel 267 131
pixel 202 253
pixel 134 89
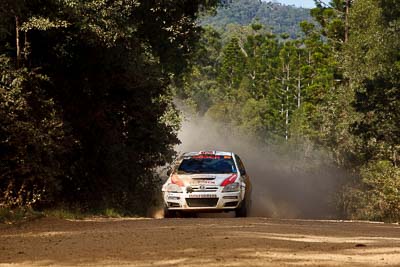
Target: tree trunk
pixel 27 48
pixel 299 84
pixel 287 103
pixel 17 30
pixel 299 91
pixel 346 30
pixel 287 114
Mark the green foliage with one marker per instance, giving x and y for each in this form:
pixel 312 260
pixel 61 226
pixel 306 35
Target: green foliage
pixel 18 215
pixel 382 180
pixel 333 19
pixel 368 120
pixel 337 116
pixel 372 62
pixel 377 198
pixel 200 86
pixel 42 24
pixel 275 17
pixel 86 108
pixel 77 213
pixel 32 138
pixel 264 87
pixel 337 86
pixel 232 66
pixel 9 216
pixel 112 213
pixel 64 213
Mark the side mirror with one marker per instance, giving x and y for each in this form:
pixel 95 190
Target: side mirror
pixel 169 172
pixel 242 172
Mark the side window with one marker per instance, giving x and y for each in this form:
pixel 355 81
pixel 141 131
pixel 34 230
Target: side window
pixel 240 164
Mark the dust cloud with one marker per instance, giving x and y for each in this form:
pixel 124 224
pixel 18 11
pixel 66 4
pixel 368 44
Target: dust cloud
pixel 296 182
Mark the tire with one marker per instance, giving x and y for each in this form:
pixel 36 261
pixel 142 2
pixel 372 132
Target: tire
pixel 169 213
pixel 189 215
pixel 242 210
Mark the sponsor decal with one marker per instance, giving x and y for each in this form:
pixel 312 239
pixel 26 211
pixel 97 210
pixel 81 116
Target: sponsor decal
pixel 206 157
pixel 207 152
pixel 202 196
pixel 202 182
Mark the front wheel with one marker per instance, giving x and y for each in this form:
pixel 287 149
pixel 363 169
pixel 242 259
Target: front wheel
pixel 243 209
pixel 169 213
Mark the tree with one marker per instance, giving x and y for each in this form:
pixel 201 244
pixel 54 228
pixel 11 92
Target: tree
pixel 99 74
pixel 371 68
pixel 372 65
pixel 333 19
pixel 233 64
pixel 200 87
pixel 33 137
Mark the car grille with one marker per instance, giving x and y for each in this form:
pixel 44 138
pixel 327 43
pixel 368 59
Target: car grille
pixel 205 189
pixel 202 202
pixel 204 178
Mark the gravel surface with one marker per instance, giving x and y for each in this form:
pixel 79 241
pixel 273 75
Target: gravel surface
pixel 199 242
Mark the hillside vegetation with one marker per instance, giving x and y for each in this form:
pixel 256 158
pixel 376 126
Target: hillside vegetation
pixel 275 17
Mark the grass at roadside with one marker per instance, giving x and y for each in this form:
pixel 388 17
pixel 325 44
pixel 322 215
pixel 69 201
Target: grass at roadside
pixel 77 214
pixel 20 215
pixel 14 216
pixel 63 213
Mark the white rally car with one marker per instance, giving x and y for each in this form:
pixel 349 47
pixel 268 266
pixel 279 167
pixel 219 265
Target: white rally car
pixel 207 181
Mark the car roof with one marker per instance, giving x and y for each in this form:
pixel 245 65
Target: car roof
pixel 208 152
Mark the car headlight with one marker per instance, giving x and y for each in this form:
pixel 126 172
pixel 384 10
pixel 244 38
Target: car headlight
pixel 231 187
pixel 174 188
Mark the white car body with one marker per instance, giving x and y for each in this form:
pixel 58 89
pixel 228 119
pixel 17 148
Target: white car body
pixel 208 192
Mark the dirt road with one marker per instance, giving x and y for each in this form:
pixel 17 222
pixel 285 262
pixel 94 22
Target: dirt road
pixel 199 242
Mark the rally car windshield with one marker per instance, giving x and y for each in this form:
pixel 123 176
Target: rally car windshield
pixel 204 164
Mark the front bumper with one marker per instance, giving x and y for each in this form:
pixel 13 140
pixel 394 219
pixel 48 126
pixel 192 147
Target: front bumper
pixel 210 201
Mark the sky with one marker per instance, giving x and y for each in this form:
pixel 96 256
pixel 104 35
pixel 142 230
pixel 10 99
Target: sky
pixel 299 3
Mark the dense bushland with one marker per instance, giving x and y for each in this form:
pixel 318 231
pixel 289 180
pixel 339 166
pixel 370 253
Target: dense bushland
pixel 86 114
